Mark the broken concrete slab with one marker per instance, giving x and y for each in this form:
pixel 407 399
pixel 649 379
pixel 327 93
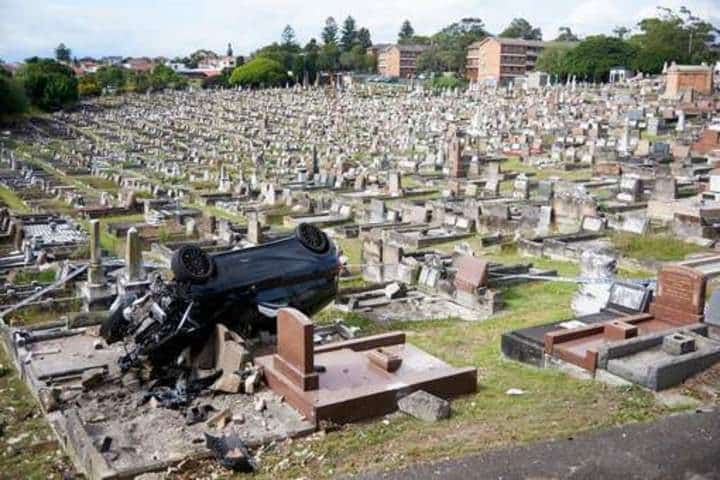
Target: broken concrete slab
pixel 427 407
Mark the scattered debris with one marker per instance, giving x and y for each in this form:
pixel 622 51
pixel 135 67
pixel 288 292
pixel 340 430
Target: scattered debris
pixel 49 398
pixel 198 414
pixel 92 378
pixel 231 452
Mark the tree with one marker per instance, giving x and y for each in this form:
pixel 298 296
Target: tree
pixel 198 56
pixel 593 58
pixel 329 57
pixel 553 59
pixel 259 72
pixel 434 59
pixel 48 84
pixel 62 53
pixel 566 35
pixel 283 54
pixel 111 77
pixel 621 31
pixel 163 77
pixel 311 58
pixel 363 38
pixel 288 37
pixel 356 59
pixel 330 31
pixel 673 36
pixel 449 46
pixel 137 82
pixel 521 28
pixel 406 32
pixel 348 35
pixel 447 82
pixel 12 96
pixel 88 86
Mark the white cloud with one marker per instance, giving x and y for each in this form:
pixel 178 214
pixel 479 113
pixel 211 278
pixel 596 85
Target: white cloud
pixel 178 27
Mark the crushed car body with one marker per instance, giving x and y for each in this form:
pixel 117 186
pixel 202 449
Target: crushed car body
pixel 242 289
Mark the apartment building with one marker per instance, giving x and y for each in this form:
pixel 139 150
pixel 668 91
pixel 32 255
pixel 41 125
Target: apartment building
pixel 501 59
pixel 399 60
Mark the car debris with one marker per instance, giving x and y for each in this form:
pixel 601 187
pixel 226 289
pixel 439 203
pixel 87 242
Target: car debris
pixel 241 288
pixel 231 452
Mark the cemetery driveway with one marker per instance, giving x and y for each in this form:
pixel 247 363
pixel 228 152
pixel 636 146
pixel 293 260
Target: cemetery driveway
pixel 683 447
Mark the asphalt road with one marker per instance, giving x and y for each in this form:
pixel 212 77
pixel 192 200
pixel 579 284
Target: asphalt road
pixel 680 447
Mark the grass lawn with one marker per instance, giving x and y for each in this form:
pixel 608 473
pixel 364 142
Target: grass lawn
pixel 653 247
pixel 13 202
pixel 514 164
pixel 553 406
pixel 98 183
pixel 108 241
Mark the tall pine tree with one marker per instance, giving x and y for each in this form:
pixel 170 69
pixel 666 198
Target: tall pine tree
pixel 407 32
pixel 329 33
pixel 348 35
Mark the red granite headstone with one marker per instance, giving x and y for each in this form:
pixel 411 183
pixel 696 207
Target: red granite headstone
pixel 680 295
pixel 472 273
pixel 295 354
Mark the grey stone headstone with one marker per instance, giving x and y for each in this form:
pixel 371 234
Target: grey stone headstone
pixel 629 296
pixel 712 310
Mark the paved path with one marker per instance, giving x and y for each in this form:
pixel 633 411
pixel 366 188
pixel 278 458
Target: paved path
pixel 680 447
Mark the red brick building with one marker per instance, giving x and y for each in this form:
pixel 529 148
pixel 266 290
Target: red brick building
pixel 683 78
pixel 501 59
pixel 399 60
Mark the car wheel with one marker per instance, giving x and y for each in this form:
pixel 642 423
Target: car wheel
pixel 312 238
pixel 191 263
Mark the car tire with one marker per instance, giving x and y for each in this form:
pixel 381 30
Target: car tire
pixel 191 263
pixel 312 238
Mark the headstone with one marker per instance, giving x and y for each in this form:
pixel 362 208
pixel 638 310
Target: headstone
pixel 95 271
pixel 133 256
pixel 254 228
pixel 680 295
pixel 665 188
pixel 592 224
pixel 712 311
pixel 472 273
pixel 295 349
pixel 394 184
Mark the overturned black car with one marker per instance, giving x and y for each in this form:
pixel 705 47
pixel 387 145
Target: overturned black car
pixel 242 289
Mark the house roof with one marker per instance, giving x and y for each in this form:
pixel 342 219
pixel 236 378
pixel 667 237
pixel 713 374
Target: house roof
pixel 408 47
pixel 512 41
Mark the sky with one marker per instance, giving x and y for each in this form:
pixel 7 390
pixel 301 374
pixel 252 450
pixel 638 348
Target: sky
pixel 178 27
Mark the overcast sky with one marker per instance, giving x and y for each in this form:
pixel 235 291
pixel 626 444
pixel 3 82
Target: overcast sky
pixel 179 27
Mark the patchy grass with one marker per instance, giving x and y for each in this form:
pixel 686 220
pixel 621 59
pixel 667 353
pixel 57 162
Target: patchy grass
pixel 352 249
pixel 13 202
pixel 24 277
pixel 108 241
pixel 55 205
pixel 516 165
pixel 28 448
pixel 43 312
pixel 554 405
pixel 653 247
pixel 98 183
